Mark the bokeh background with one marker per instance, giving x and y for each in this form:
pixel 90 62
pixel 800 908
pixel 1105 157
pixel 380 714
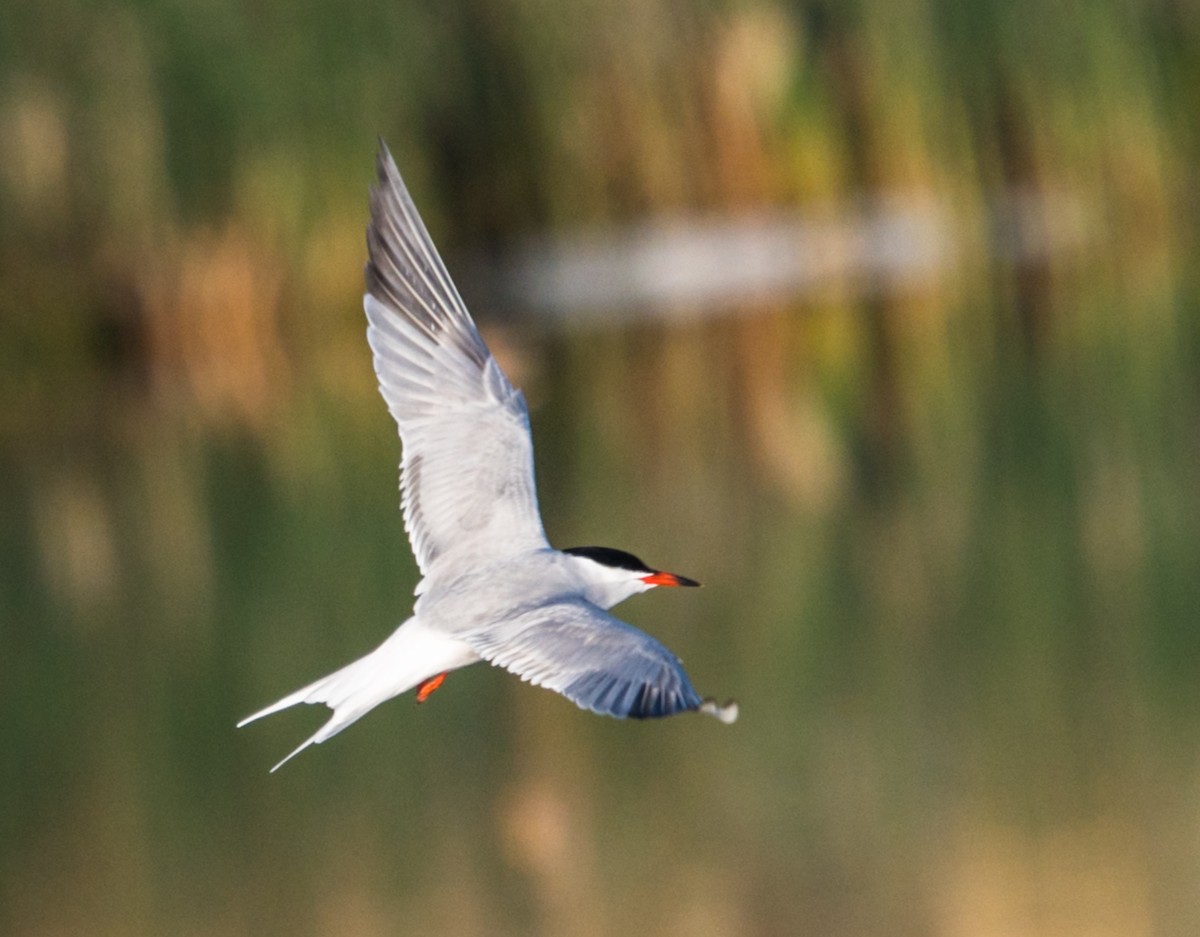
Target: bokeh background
pixel 878 316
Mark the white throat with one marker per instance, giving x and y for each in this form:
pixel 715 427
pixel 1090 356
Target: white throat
pixel 606 586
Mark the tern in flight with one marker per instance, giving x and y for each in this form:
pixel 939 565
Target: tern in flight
pixel 492 587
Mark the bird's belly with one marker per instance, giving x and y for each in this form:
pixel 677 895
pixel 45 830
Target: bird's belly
pixel 434 649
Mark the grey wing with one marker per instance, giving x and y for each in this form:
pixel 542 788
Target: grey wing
pixel 595 660
pixel 466 477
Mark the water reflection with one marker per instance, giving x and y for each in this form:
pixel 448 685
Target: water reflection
pixel 957 609
pixel 685 267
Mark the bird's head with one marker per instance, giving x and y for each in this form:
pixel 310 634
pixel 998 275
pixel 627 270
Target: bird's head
pixel 611 576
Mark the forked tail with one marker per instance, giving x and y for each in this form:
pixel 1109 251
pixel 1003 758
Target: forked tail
pixel 406 658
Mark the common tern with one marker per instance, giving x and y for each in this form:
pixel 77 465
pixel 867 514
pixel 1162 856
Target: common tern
pixel 492 587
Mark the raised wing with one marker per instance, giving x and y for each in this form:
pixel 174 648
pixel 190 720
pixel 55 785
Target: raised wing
pixel 466 478
pixel 595 660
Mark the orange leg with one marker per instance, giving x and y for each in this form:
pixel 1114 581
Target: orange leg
pixel 426 687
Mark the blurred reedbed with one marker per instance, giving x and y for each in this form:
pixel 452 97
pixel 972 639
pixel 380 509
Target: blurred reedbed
pixel 877 318
pixel 181 207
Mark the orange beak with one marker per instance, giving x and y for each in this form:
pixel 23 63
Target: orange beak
pixel 668 579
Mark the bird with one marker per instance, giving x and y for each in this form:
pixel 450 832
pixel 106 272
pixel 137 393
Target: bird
pixel 491 588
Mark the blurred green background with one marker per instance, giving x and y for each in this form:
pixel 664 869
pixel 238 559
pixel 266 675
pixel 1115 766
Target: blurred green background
pixel 942 483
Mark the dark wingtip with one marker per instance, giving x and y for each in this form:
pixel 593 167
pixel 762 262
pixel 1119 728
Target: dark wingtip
pixel 386 173
pixel 383 156
pixel 607 695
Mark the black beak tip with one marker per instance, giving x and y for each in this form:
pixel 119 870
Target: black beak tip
pixel 668 579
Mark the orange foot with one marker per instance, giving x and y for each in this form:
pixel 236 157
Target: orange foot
pixel 426 687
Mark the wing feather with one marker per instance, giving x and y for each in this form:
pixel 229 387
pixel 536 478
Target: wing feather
pixel 595 660
pixel 466 476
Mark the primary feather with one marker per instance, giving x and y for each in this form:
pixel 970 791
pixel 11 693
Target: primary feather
pixel 595 660
pixel 467 478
